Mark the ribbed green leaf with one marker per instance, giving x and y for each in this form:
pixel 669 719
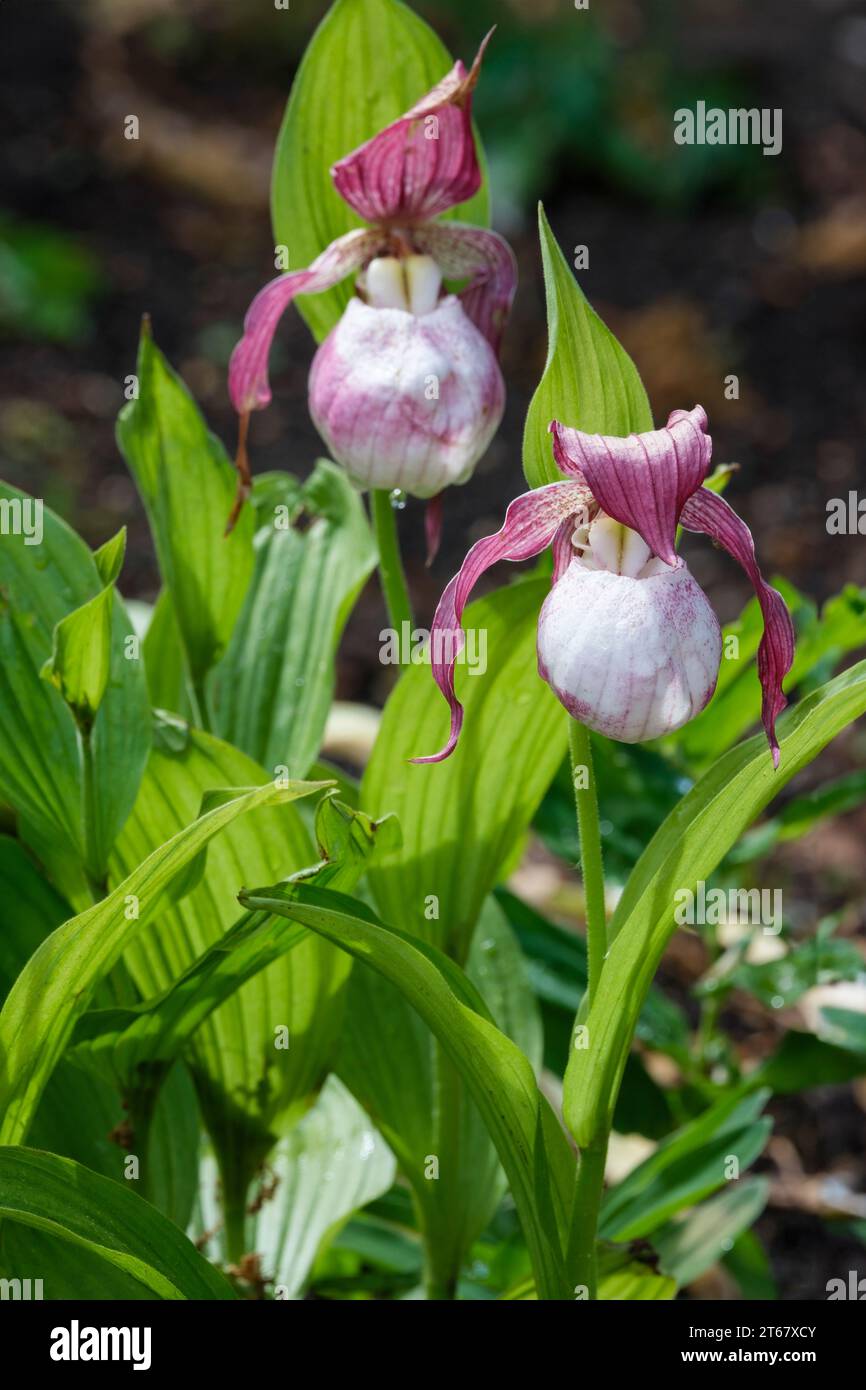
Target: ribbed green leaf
pixel 530 1143
pixel 623 1278
pixel 187 484
pixel 462 819
pixel 61 1197
pixel 589 381
pixel 56 984
pixel 79 1111
pixel 163 658
pixel 381 59
pixel 40 771
pixel 136 1045
pixel 332 1163
pixel 72 1270
pixel 272 690
pixel 392 1063
pixel 250 1087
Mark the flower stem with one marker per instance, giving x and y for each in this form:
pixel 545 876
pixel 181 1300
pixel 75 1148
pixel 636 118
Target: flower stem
pixel 583 1257
pixel 591 865
pixel 93 857
pixel 391 575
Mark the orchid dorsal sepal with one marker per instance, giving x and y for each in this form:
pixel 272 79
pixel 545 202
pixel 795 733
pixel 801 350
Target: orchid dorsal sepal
pixel 423 163
pixel 642 480
pixel 627 639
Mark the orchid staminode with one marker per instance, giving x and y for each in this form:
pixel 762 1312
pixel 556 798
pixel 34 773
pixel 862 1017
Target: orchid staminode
pixel 627 639
pixel 406 390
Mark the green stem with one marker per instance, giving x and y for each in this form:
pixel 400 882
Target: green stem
pixel 235 1216
pixel 93 864
pixel 391 575
pixel 442 1252
pixel 591 865
pixel 197 694
pixel 583 1257
pixel 141 1107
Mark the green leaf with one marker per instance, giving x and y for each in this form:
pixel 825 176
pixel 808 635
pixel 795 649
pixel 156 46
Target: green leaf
pixel 781 982
pixel 531 1146
pixel 689 1247
pixel 30 909
pixel 332 1163
pixel 464 818
pixel 187 484
pixel 687 848
pixel 78 1111
pixel 57 982
pixel 687 1181
pixel 589 381
pixel 110 556
pixel 259 1058
pixel 136 1045
pixel 802 1060
pixel 382 59
pixel 80 659
pixel 747 1261
pixel 314 551
pixel 685 1166
pixel 61 1197
pixel 847 1028
pixel 40 759
pixel 623 1277
pixel 395 1067
pixel 164 659
pixel 76 1273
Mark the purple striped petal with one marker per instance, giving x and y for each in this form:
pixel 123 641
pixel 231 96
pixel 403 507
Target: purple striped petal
pixel 488 260
pixel 642 480
pixel 248 369
pixel 416 167
pixel 707 512
pixel 531 522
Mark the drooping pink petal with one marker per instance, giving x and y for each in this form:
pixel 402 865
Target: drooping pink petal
pixel 707 512
pixel 531 522
pixel 248 369
pixel 642 480
pixel 460 250
pixel 423 163
pixel 433 527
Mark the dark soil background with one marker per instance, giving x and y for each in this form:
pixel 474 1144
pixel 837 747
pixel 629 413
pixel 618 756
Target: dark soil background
pixel 705 262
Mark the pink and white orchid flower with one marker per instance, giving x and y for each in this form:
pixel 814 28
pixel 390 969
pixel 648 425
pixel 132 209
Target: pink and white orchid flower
pixel 406 389
pixel 627 640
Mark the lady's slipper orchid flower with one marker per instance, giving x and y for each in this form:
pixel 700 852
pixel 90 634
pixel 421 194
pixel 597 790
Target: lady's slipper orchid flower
pixel 406 389
pixel 626 638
